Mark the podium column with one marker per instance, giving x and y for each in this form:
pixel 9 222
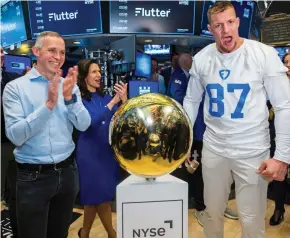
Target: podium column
pixel 152 208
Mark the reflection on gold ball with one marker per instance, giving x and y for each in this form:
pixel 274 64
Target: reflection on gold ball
pixel 151 135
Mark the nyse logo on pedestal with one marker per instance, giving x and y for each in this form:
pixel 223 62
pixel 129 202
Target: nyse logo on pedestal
pixel 63 16
pixel 152 232
pixel 151 12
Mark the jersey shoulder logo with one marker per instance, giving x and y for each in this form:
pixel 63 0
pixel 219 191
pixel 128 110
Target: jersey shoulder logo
pixel 178 81
pixel 224 73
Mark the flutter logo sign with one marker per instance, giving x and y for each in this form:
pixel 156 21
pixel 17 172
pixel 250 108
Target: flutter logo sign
pixel 63 16
pixel 153 12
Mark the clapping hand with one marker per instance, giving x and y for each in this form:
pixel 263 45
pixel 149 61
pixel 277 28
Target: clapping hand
pixel 69 83
pixel 114 101
pixel 121 90
pixel 53 91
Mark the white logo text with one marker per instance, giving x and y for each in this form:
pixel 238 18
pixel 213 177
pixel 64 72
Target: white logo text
pixel 151 12
pixel 62 16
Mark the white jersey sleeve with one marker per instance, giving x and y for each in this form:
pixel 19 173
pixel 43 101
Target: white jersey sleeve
pixel 193 95
pixel 278 89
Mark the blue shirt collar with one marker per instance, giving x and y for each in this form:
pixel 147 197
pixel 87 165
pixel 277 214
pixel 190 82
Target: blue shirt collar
pixel 34 75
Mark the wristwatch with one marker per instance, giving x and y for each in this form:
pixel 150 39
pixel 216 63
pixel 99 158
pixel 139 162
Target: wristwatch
pixel 73 100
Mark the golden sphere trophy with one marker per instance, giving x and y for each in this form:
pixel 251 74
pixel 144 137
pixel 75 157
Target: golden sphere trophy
pixel 151 136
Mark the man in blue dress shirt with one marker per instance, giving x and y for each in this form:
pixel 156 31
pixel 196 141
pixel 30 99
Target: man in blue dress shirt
pixel 40 109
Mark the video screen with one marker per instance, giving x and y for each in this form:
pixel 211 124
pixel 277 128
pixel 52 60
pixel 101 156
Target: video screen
pixel 263 6
pixel 143 65
pixel 12 24
pixel 17 63
pixel 68 18
pixel 244 10
pixel 127 46
pixel 157 49
pixel 139 87
pixel 153 17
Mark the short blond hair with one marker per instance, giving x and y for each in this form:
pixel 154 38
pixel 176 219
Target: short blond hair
pixel 42 35
pixel 217 8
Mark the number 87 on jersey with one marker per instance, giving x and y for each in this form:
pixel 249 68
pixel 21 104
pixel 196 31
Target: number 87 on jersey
pixel 217 93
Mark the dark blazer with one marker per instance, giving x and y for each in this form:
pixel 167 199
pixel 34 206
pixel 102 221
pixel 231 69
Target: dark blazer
pixel 166 73
pixel 177 85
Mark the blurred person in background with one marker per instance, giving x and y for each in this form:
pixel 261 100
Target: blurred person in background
pixel 157 77
pixel 166 73
pixel 179 78
pixel 8 164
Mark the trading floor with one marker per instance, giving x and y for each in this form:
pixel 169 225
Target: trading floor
pixel 232 227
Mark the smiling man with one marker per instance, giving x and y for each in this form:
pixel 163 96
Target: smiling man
pixel 40 109
pixel 237 75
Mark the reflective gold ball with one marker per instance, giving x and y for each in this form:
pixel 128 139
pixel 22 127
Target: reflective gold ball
pixel 151 135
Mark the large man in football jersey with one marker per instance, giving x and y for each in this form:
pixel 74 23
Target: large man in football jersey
pixel 237 74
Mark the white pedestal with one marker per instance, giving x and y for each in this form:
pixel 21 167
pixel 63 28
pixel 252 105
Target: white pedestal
pixel 157 208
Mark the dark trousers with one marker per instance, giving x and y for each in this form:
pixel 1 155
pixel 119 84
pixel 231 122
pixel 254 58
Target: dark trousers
pixel 196 180
pixel 11 177
pixel 45 202
pixel 6 157
pixel 9 174
pixel 280 191
pixel 279 187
